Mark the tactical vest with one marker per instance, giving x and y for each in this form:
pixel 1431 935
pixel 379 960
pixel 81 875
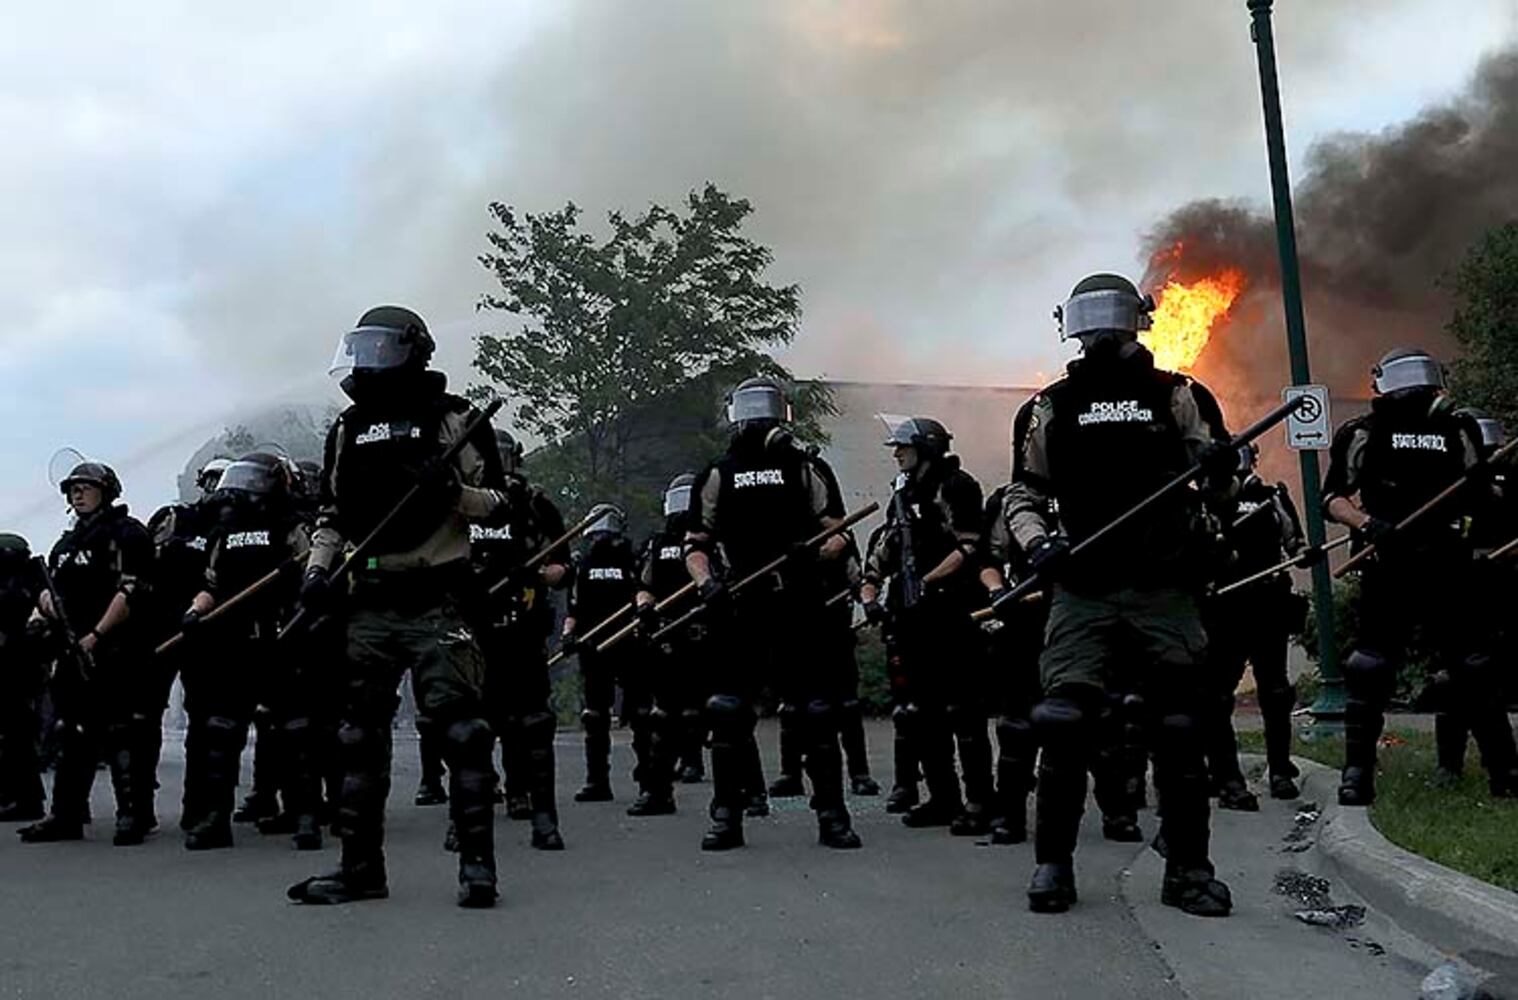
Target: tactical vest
pixel 1256 541
pixel 500 547
pixel 1410 455
pixel 18 595
pixel 83 564
pixel 665 561
pixel 1112 442
pixel 606 576
pixel 180 546
pixel 380 450
pixel 762 505
pixel 249 542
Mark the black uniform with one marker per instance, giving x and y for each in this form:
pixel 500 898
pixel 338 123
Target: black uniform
pixel 512 637
pixel 758 500
pixel 678 658
pixel 940 509
pixel 105 553
pixel 1407 449
pixel 23 674
pixel 1253 625
pixel 606 579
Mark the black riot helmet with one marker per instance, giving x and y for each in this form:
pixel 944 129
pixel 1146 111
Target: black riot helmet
pixel 257 474
pixel 1407 370
pixel 1249 457
pixel 510 449
pixel 1493 434
pixel 609 520
pixel 1104 307
pixel 94 474
pixel 210 474
pixel 677 494
pixel 14 552
pixel 385 338
pixel 758 402
pixel 928 436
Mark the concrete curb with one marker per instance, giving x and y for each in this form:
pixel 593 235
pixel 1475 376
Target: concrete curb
pixel 1450 910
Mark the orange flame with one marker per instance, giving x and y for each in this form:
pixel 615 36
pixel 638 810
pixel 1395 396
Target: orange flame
pixel 1185 316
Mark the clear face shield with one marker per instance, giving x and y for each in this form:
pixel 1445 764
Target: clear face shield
pixel 676 500
pixel 1106 309
pixel 1492 434
pixel 758 402
pixel 1416 371
pixel 611 521
pixel 253 478
pixel 370 348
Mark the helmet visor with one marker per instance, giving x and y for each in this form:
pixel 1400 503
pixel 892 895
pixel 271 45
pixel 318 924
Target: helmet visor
pixel 899 429
pixel 611 521
pixel 758 402
pixel 676 500
pixel 1416 371
pixel 1105 309
pixel 251 477
pixel 1492 434
pixel 371 348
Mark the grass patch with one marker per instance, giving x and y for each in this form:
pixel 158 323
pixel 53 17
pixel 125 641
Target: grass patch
pixel 1461 827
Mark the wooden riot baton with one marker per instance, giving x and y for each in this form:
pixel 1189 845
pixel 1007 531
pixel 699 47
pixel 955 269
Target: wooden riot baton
pixel 631 627
pixel 242 595
pixel 772 565
pixel 1423 511
pixel 1180 482
pixel 84 662
pixel 984 613
pixel 838 597
pixel 543 553
pixel 1300 559
pixel 598 628
pixel 1501 550
pixel 362 549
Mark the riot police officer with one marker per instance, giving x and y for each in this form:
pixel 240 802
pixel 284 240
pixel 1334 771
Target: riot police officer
pixel 513 636
pixel 1382 467
pixel 404 606
pixel 759 501
pixel 100 567
pixel 931 549
pixel 22 677
pixel 257 531
pixel 1101 439
pixel 605 579
pixel 1254 625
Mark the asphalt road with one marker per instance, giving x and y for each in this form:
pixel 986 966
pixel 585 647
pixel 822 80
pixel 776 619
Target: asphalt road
pixel 633 909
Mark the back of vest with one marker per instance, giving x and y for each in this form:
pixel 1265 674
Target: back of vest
pixel 380 451
pixel 1411 454
pixel 762 506
pixel 1113 442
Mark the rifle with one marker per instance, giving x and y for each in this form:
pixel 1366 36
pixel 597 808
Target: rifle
pixel 769 567
pixel 1181 481
pixel 83 661
pixel 911 582
pixel 362 549
pixel 1435 501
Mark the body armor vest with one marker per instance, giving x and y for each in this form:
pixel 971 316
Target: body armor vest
pixel 762 505
pixel 1410 455
pixel 665 559
pixel 1113 441
pixel 381 449
pixel 606 576
pixel 1257 541
pixel 248 542
pixel 84 565
pixel 180 546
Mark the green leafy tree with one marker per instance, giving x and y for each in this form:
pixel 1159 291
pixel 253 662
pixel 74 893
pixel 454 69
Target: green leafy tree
pixel 1485 322
pixel 623 345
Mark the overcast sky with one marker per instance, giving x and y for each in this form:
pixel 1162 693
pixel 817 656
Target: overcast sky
pixel 198 198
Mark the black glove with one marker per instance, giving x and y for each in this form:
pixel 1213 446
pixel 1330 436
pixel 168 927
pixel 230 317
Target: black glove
pixel 1219 460
pixel 713 594
pixel 191 622
pixel 568 643
pixel 1377 532
pixel 648 617
pixel 1048 556
pixel 316 591
pixel 439 480
pixel 1311 556
pixel 875 612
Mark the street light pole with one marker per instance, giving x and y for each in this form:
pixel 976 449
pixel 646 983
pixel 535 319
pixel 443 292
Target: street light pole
pixel 1330 703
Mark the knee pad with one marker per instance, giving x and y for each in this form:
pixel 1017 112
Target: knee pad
pixel 691 716
pixel 728 714
pixel 1059 718
pixel 538 728
pixel 220 727
pixel 724 706
pixel 470 734
pixel 1010 732
pixel 902 714
pixel 350 737
pixel 1179 726
pixel 1368 675
pixel 298 727
pixel 851 706
pixel 821 714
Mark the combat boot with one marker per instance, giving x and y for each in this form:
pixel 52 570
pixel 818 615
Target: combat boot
pixel 131 831
pixel 1357 787
pixel 307 835
pixel 1052 889
pixel 787 786
pixel 726 831
pixel 836 831
pixel 51 830
pixel 863 785
pixel 901 799
pixel 1282 786
pixel 256 806
pixel 1196 891
pixel 477 889
pixel 758 805
pixel 213 832
pixel 545 833
pixel 21 812
pixel 934 812
pixel 283 822
pixel 1010 829
pixel 1235 795
pixel 972 821
pixel 652 804
pixel 692 773
pixel 594 792
pixel 431 793
pixel 350 883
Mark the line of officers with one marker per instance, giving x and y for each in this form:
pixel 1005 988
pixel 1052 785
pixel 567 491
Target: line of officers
pixel 1120 660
